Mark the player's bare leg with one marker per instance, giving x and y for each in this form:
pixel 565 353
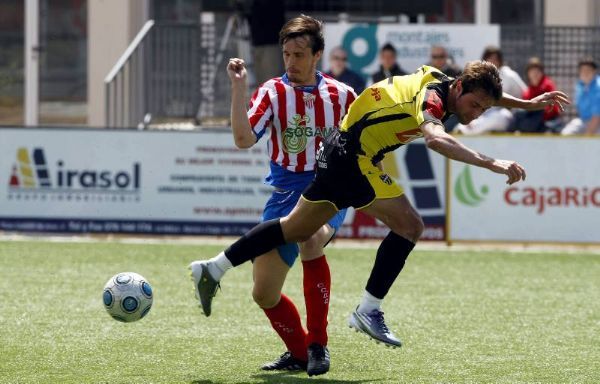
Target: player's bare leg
pixel 305 219
pixel 406 228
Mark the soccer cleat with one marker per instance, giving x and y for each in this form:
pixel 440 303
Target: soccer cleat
pixel 285 362
pixel 373 324
pixel 205 286
pixel 318 359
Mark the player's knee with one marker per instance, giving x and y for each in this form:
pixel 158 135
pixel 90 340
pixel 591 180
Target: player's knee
pixel 418 227
pixel 410 227
pixel 312 248
pixel 265 299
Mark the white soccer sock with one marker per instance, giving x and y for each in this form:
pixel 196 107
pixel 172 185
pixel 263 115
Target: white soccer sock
pixel 219 265
pixel 369 303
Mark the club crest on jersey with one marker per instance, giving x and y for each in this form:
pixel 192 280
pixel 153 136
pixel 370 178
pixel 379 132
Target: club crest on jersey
pixel 309 100
pixel 386 179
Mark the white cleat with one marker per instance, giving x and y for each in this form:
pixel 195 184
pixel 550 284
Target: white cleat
pixel 373 325
pixel 205 286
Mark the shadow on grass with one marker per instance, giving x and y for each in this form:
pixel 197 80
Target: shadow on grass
pixel 291 378
pixel 286 377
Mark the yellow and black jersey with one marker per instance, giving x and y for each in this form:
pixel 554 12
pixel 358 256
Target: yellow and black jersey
pixel 388 114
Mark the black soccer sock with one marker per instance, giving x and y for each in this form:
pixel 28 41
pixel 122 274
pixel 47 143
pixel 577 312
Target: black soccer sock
pixel 391 255
pixel 260 239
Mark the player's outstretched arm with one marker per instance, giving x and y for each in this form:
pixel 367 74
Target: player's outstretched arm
pixel 438 140
pixel 243 135
pixel 539 102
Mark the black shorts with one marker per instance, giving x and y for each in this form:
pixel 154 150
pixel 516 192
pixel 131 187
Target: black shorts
pixel 346 178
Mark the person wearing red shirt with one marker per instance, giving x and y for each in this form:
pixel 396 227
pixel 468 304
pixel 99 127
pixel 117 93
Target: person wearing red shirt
pixel 538 83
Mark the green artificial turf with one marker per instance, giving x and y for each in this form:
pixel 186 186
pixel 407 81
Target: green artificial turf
pixel 464 317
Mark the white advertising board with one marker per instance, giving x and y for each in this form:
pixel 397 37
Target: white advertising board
pixel 98 181
pixel 127 181
pixel 558 202
pixel 464 42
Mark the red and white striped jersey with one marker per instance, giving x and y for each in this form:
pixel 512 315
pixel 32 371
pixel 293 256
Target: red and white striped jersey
pixel 298 118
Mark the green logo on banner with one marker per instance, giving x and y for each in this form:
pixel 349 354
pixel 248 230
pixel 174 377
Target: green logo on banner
pixel 465 189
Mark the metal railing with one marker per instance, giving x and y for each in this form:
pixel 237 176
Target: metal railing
pixel 124 86
pixel 157 78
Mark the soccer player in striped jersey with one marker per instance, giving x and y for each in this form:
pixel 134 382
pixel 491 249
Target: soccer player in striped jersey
pixel 299 108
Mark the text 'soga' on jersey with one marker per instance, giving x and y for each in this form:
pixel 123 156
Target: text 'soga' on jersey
pixel 298 118
pixel 389 113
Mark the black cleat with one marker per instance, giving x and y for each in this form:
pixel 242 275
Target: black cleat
pixel 285 362
pixel 318 359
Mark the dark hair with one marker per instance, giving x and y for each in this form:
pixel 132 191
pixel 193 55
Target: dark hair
pixel 481 75
pixel 491 50
pixel 588 61
pixel 534 62
pixel 304 26
pixel 388 47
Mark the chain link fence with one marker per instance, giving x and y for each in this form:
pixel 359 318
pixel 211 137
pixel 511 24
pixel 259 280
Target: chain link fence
pixel 187 76
pixel 559 48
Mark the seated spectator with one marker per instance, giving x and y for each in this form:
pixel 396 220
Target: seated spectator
pixel 537 121
pixel 496 119
pixel 388 65
pixel 338 69
pixel 587 101
pixel 511 81
pixel 441 60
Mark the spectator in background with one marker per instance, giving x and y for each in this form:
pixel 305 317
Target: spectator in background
pixel 441 60
pixel 266 19
pixel 587 100
pixel 338 69
pixel 496 119
pixel 537 121
pixel 388 65
pixel 511 81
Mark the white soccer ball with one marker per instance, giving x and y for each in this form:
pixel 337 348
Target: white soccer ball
pixel 127 297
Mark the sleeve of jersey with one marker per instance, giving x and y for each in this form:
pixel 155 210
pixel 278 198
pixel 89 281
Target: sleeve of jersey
pixel 431 108
pixel 260 111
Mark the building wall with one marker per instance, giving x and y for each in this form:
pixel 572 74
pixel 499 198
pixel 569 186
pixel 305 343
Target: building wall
pixel 578 13
pixel 112 25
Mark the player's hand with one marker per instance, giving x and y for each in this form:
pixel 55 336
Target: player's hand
pixel 236 69
pixel 512 169
pixel 550 98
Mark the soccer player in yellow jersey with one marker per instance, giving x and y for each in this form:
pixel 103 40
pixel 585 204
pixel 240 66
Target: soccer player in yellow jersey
pixel 385 116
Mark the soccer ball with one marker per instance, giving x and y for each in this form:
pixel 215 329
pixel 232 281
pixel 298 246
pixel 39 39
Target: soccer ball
pixel 127 297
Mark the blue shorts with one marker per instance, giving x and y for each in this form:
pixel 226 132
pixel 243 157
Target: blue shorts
pixel 279 205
